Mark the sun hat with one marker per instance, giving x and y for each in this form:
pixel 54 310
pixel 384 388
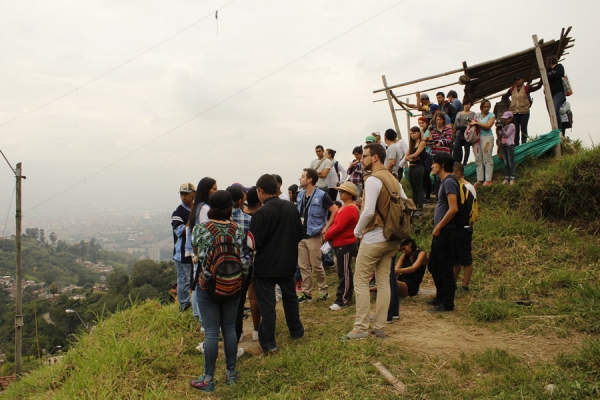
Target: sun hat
pixel 348 187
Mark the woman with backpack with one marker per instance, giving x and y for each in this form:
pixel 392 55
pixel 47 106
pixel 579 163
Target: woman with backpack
pixel 335 176
pixel 217 243
pixel 483 149
pixel 519 105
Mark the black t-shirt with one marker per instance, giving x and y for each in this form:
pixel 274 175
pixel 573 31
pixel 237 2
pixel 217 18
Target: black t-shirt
pixel 326 204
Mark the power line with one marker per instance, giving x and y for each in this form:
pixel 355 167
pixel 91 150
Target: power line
pixel 10 166
pixel 8 212
pixel 113 69
pixel 218 103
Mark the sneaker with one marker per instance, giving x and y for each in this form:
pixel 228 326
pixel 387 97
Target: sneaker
pixel 200 347
pixel 434 302
pixel 322 297
pixel 231 380
pixel 202 329
pixel 389 321
pixel 488 183
pixel 352 335
pixel 255 335
pixel 505 182
pixel 270 351
pixel 241 337
pixel 335 307
pixel 465 288
pixel 440 308
pixel 204 386
pixel 378 333
pixel 512 182
pixel 396 317
pixel 240 352
pixel 278 297
pixel 303 298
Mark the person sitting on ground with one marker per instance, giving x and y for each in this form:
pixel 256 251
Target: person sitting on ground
pixel 217 316
pixel 410 268
pixel 343 241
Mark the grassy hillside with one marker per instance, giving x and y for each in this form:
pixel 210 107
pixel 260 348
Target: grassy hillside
pixel 537 241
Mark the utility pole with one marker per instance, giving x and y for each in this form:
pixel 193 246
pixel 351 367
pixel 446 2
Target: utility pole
pixel 19 294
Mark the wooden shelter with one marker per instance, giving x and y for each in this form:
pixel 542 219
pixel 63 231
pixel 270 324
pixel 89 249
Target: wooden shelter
pixel 492 78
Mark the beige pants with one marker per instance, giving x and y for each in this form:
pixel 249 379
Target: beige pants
pixel 373 257
pixel 309 260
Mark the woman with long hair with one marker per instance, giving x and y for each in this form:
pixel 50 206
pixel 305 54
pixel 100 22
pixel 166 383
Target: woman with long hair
pixel 218 316
pixel 484 147
pixel 426 137
pixel 293 193
pixel 460 124
pixel 333 178
pixel 416 167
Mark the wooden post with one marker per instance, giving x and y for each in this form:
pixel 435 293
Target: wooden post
pixel 389 99
pixel 19 293
pixel 407 122
pixel 549 101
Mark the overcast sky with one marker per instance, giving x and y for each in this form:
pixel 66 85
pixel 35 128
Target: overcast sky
pixel 279 78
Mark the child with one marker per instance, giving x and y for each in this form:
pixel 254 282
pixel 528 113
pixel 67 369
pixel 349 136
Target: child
pixel 508 147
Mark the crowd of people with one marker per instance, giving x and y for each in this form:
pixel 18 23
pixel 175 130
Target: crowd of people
pixel 272 244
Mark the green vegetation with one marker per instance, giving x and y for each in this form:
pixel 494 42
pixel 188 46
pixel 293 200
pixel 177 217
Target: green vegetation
pixel 529 327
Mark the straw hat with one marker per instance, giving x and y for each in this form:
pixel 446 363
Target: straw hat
pixel 348 187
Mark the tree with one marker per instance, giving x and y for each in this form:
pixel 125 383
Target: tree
pixel 53 238
pixel 53 288
pixel 43 236
pixel 117 281
pixel 62 246
pixel 33 233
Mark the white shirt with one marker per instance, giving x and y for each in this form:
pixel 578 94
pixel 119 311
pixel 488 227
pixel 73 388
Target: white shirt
pixel 284 196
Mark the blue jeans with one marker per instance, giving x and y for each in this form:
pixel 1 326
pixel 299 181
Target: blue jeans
pixel 508 156
pixel 558 99
pixel 184 275
pixel 218 316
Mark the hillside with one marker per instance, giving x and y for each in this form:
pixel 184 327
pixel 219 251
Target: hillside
pixel 529 327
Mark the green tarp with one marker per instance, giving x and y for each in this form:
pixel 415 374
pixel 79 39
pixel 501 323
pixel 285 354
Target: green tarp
pixel 536 148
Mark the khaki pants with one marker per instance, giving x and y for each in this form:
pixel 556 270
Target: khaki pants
pixel 309 260
pixel 373 257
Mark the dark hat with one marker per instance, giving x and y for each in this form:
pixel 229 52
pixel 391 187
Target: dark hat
pixel 236 192
pixel 244 188
pixel 434 108
pixel 518 76
pixel 220 200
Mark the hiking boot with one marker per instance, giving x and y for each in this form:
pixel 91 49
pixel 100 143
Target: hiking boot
pixel 440 308
pixel 434 302
pixel 303 298
pixel 322 297
pixel 378 333
pixel 203 386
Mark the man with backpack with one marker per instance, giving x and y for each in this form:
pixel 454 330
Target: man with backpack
pixel 467 215
pixel 519 104
pixel 378 244
pixel 275 231
pixel 444 234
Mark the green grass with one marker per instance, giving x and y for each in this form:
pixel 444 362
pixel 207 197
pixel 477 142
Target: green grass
pixel 534 241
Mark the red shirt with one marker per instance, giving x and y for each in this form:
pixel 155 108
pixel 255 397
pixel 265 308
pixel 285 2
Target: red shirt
pixel 341 231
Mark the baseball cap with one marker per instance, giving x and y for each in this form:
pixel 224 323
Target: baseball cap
pixel 424 96
pixel 518 76
pixel 187 188
pixel 434 108
pixel 507 114
pixel 244 188
pixel 370 139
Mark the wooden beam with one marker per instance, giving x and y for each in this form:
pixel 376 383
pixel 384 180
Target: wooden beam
pixel 419 80
pixel 549 101
pixel 389 99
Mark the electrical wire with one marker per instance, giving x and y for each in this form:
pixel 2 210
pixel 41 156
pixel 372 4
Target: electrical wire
pixel 8 212
pixel 218 104
pixel 113 69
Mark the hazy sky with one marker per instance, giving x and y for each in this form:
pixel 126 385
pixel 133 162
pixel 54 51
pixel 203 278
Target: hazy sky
pixel 279 78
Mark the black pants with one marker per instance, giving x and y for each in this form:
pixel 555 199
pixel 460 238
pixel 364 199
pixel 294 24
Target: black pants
pixel 394 308
pixel 265 292
pixel 521 121
pixel 457 151
pixel 239 317
pixel 345 288
pixel 440 266
pixel 415 178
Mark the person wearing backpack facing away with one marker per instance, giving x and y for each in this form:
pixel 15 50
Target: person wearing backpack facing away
pixel 556 72
pixel 335 176
pixel 566 117
pixel 508 148
pixel 416 168
pixel 426 137
pixel 463 256
pixel 519 105
pixel 484 148
pixel 218 236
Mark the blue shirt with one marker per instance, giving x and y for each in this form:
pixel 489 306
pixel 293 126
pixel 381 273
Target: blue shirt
pixel 485 132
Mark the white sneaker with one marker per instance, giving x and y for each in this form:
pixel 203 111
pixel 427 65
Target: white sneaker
pixel 202 329
pixel 335 307
pixel 241 338
pixel 240 352
pixel 200 347
pixel 255 335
